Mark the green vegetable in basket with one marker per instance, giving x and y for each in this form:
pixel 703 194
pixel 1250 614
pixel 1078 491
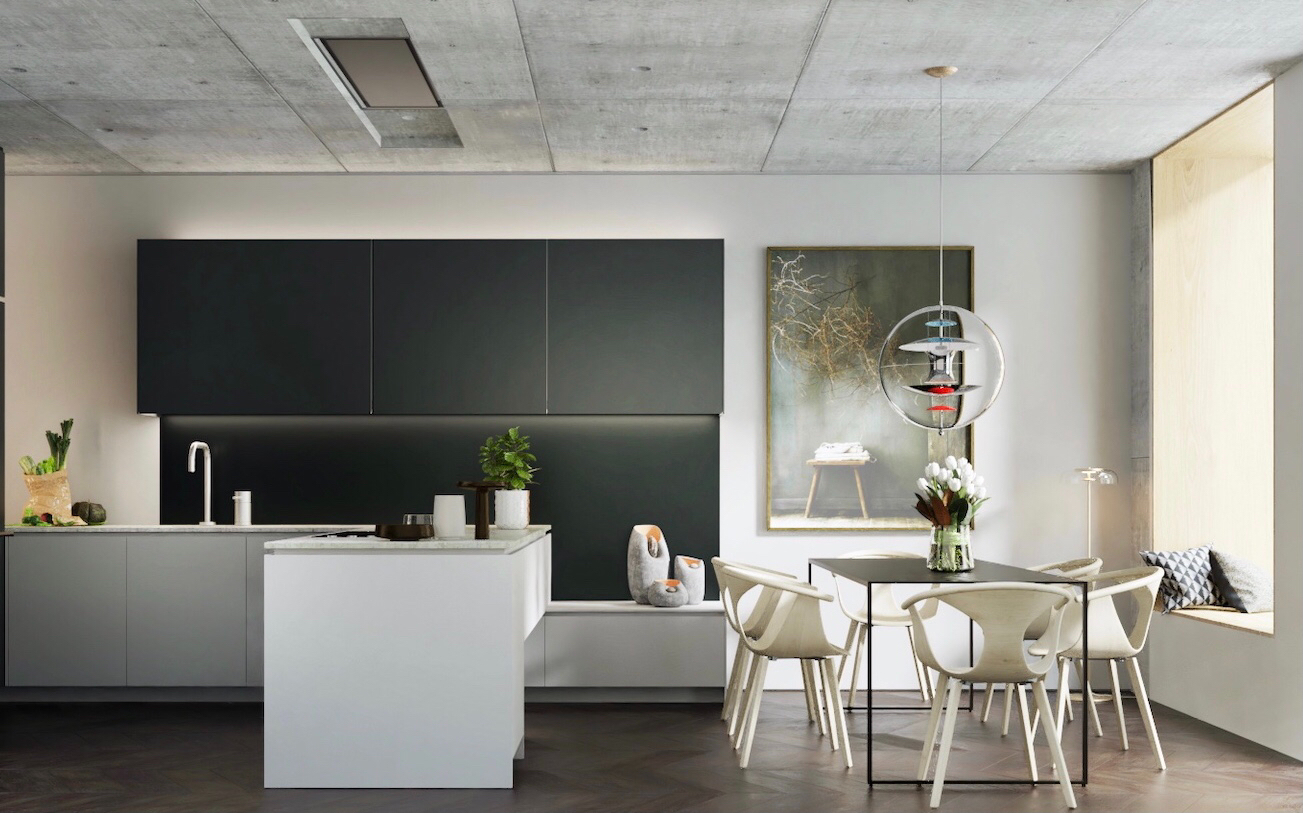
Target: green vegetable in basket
pixel 59 444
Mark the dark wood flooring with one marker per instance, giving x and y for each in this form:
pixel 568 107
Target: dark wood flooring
pixel 605 758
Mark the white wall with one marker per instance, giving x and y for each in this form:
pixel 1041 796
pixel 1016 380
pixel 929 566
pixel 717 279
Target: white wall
pixel 1052 264
pixel 1250 684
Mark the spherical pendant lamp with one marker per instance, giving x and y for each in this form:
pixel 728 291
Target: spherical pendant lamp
pixel 941 366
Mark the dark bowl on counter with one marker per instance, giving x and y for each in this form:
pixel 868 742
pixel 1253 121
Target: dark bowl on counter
pixel 405 533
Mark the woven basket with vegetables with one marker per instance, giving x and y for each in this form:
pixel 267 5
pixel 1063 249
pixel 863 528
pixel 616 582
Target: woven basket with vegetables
pixel 49 500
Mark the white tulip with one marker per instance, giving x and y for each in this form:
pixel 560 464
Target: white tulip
pixel 979 480
pixel 981 492
pixel 963 461
pixel 922 484
pixel 954 484
pixel 951 463
pixel 932 470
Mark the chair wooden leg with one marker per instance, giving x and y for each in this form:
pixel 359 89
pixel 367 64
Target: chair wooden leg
pixel 805 686
pixel 1008 706
pixel 745 670
pixel 1117 703
pixel 849 646
pixel 820 694
pixel 933 720
pixel 1052 738
pixel 1088 696
pixel 831 701
pixel 1064 695
pixel 734 679
pixel 986 703
pixel 1146 714
pixel 757 692
pixel 953 690
pixel 1067 692
pixel 1028 743
pixel 920 671
pixel 860 643
pixel 737 723
pixel 839 714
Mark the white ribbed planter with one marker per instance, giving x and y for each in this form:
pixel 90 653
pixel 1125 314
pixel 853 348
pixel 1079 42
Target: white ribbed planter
pixel 511 509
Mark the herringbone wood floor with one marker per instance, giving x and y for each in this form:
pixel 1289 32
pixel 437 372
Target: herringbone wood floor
pixel 605 758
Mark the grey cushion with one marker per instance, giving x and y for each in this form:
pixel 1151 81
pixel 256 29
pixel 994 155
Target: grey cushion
pixel 1186 577
pixel 1243 585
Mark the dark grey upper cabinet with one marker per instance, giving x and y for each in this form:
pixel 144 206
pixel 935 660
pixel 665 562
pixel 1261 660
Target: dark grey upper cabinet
pixel 254 327
pixel 460 327
pixel 636 326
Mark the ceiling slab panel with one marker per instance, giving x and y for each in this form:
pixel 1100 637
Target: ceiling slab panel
pixel 128 49
pixel 1093 136
pixel 8 94
pixel 667 49
pixel 37 142
pixel 661 135
pixel 888 135
pixel 496 137
pixel 1005 49
pixel 1192 49
pixel 202 136
pixel 471 49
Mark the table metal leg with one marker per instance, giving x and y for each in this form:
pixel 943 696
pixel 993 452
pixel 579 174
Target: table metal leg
pixel 1085 654
pixel 868 686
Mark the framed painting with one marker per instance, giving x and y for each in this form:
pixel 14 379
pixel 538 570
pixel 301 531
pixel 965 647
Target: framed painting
pixel 839 457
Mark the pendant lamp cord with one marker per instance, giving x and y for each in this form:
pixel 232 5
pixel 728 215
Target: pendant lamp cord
pixel 941 199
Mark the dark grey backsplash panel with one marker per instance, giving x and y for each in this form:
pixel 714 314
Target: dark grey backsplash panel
pixel 600 476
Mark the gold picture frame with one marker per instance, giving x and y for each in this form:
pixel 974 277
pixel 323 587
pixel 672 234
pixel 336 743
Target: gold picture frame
pixel 821 382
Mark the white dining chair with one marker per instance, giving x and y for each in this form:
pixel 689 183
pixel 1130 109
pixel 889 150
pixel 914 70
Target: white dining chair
pixel 753 626
pixel 1003 611
pixel 1071 569
pixel 1110 639
pixel 793 631
pixel 882 609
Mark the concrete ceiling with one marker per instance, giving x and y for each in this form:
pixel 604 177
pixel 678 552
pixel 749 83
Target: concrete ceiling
pixel 212 86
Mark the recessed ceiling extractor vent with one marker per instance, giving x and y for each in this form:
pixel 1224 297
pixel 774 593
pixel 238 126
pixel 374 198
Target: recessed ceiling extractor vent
pixel 375 66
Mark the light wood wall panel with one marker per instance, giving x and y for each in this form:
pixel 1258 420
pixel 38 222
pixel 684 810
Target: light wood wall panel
pixel 1213 348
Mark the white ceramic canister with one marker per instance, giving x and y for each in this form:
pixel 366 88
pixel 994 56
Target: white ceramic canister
pixel 243 507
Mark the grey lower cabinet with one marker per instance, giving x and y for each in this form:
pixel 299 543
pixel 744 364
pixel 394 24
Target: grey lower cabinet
pixel 137 609
pixel 253 563
pixel 186 609
pixel 66 610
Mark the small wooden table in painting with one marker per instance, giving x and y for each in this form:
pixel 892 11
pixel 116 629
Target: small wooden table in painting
pixel 868 572
pixel 855 466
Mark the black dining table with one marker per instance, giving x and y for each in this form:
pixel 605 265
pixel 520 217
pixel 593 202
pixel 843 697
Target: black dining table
pixel 911 570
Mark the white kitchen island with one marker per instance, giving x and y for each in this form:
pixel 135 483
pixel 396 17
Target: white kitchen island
pixel 399 664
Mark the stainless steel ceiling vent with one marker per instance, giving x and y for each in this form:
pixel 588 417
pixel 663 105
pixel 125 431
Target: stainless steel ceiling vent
pixel 375 66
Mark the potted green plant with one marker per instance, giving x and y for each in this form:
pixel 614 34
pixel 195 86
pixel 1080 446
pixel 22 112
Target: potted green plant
pixel 506 459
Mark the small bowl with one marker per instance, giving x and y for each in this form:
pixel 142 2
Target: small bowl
pixel 404 533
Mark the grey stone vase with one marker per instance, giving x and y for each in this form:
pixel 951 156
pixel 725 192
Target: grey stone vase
pixel 649 560
pixel 667 593
pixel 692 572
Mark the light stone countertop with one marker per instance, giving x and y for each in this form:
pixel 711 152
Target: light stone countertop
pixel 499 541
pixel 183 529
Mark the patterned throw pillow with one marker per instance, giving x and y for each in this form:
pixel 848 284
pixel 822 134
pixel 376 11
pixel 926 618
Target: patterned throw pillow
pixel 1243 585
pixel 1186 579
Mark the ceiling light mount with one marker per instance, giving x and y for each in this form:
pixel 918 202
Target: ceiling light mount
pixel 941 71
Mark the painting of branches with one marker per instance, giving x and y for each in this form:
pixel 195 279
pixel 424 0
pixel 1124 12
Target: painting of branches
pixel 839 458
